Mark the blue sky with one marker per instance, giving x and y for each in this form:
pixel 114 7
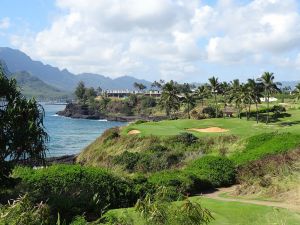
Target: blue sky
pixel 186 40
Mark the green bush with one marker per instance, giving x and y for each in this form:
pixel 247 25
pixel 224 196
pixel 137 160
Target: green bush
pixel 185 138
pixel 181 181
pixel 154 159
pixel 74 190
pixel 127 159
pixel 23 211
pixel 262 145
pixel 217 171
pixel 111 134
pixel 210 111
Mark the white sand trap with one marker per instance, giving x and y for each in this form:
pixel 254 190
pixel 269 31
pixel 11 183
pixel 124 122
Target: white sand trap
pixel 134 132
pixel 209 130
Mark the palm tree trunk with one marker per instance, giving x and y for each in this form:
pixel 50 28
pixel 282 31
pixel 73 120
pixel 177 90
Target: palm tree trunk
pixel 249 111
pixel 189 111
pixel 216 105
pixel 268 105
pixel 256 112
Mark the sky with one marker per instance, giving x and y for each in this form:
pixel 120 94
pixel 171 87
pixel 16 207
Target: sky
pixel 183 40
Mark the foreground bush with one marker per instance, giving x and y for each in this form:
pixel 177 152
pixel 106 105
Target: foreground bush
pixel 75 190
pixel 217 171
pixel 157 209
pixel 182 182
pixel 23 211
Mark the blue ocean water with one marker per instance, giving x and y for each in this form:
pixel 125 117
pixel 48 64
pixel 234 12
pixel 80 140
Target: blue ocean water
pixel 70 136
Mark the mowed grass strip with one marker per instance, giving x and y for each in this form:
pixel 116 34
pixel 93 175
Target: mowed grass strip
pixel 235 126
pixel 233 213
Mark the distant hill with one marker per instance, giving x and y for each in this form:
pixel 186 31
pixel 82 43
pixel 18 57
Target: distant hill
pixel 32 86
pixel 62 79
pixel 291 84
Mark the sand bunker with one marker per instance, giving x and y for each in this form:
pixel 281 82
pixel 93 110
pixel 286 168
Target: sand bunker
pixel 209 130
pixel 134 132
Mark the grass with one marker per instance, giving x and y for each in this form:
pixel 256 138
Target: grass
pixel 239 127
pixel 233 213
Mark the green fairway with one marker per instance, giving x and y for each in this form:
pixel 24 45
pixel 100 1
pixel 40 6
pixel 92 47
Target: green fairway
pixel 235 126
pixel 235 213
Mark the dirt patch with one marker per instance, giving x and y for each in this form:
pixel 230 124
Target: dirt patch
pixel 209 130
pixel 134 132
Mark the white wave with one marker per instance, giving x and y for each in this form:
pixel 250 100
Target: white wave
pixel 104 120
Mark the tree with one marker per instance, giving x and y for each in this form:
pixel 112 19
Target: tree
pixel 22 133
pixel 270 87
pixel 296 91
pixel 156 85
pixel 225 91
pixel 90 94
pixel 214 88
pixel 80 91
pixel 169 97
pixel 236 95
pixel 255 93
pixel 202 92
pixel 139 86
pixel 189 101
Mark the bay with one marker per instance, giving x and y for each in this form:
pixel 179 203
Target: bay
pixel 69 136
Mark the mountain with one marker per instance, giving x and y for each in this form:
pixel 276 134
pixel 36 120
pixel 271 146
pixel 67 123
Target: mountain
pixel 124 82
pixel 291 84
pixel 62 79
pixel 32 86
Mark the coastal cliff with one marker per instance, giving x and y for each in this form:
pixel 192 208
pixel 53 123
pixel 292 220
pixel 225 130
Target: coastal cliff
pixel 78 111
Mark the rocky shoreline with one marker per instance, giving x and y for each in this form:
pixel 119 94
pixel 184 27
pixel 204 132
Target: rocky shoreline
pixel 76 111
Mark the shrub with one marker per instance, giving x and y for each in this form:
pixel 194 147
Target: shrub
pixel 111 134
pixel 210 111
pixel 216 170
pixel 23 211
pixel 185 138
pixel 262 145
pixel 156 158
pixel 139 122
pixel 127 159
pixel 181 181
pixel 148 102
pixel 73 190
pixel 157 148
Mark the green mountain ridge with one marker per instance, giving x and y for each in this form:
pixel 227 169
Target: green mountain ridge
pixel 32 86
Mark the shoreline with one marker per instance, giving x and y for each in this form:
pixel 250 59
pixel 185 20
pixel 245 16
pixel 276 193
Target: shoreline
pixel 82 112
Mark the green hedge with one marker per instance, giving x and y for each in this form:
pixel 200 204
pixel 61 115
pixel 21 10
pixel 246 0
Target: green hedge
pixel 182 181
pixel 261 145
pixel 74 190
pixel 215 170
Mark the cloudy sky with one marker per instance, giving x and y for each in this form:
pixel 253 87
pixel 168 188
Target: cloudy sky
pixel 185 40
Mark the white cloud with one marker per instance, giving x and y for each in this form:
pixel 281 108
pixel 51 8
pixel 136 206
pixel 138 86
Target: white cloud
pixel 165 38
pixel 4 23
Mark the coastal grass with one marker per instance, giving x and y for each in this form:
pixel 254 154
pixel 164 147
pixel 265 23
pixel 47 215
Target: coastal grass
pixel 231 213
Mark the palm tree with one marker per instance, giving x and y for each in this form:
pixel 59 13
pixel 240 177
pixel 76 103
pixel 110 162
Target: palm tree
pixel 169 97
pixel 214 88
pixel 202 92
pixel 236 95
pixel 189 101
pixel 225 91
pixel 267 81
pixel 254 93
pixel 296 91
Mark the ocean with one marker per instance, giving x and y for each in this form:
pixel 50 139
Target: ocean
pixel 69 136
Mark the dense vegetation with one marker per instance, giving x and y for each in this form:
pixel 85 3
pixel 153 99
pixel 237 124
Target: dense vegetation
pixel 155 166
pixel 22 133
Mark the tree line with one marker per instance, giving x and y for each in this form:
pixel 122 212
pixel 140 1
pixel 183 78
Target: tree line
pixel 241 95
